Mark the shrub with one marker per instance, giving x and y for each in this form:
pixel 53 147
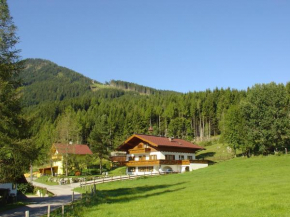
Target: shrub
pixel 25 188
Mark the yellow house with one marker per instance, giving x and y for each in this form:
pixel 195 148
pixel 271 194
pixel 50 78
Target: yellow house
pixel 59 152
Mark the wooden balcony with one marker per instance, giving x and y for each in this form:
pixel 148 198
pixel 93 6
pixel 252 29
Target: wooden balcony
pixel 142 163
pixel 139 151
pixel 157 162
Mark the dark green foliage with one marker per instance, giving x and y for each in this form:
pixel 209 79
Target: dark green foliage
pixel 234 128
pixel 16 151
pixel 136 87
pixel 45 81
pixel 118 109
pixel 266 113
pixel 25 188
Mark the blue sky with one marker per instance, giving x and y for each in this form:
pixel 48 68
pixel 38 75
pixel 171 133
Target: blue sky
pixel 187 45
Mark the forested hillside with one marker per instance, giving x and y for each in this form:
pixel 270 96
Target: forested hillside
pixel 62 108
pixel 45 81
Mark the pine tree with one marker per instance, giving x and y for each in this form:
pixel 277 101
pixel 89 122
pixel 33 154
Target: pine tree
pixel 100 139
pixel 16 152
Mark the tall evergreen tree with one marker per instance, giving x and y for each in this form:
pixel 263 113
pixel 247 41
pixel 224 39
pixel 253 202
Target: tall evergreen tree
pixel 100 139
pixel 16 151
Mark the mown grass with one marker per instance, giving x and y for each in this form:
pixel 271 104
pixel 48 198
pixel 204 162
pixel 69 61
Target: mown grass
pixel 258 186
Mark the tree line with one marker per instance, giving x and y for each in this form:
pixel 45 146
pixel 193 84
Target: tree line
pixel 255 121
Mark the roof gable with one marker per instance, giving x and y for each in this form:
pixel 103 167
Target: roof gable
pixel 160 142
pixel 72 149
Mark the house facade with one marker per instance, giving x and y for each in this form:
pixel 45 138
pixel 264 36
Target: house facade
pixel 12 187
pixel 59 152
pixel 152 154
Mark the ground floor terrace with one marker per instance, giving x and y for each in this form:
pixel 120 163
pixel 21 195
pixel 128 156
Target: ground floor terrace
pixel 160 166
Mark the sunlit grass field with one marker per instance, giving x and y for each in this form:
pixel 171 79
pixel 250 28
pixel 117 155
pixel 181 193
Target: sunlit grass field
pixel 258 186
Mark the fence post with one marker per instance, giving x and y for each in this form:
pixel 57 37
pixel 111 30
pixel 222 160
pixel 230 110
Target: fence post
pixel 48 211
pixel 95 190
pixel 73 196
pixel 26 213
pixel 62 210
pixel 285 150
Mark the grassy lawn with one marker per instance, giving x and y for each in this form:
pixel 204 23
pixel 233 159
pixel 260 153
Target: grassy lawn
pixel 118 171
pixel 45 180
pixel 258 186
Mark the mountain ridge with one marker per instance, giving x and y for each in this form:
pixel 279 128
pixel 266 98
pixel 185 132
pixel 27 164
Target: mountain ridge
pixel 44 80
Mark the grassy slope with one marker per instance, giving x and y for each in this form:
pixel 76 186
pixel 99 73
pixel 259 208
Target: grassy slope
pixel 45 180
pixel 216 152
pixel 258 186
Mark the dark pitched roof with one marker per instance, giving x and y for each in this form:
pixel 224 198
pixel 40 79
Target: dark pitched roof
pixel 72 149
pixel 158 141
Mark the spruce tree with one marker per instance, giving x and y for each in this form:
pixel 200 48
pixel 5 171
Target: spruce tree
pixel 15 150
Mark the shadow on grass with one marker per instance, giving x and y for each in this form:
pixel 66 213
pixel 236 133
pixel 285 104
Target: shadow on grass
pixel 205 155
pixel 119 195
pixel 129 192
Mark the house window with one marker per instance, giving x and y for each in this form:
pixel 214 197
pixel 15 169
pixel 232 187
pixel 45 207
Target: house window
pixel 181 157
pixel 131 169
pixel 189 157
pixel 140 145
pixel 132 158
pixel 169 157
pixel 153 157
pixel 145 169
pixel 142 157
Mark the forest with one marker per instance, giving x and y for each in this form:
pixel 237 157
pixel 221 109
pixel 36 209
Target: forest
pixel 61 107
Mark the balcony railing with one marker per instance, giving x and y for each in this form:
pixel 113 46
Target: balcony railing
pixel 139 151
pixel 157 162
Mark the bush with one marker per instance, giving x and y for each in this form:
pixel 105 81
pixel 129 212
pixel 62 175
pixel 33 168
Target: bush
pixel 25 188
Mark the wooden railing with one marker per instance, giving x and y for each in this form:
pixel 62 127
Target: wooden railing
pixel 142 163
pixel 139 150
pixel 99 180
pixel 163 162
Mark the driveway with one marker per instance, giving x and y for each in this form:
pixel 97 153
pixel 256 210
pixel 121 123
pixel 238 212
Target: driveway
pixel 38 205
pixel 63 195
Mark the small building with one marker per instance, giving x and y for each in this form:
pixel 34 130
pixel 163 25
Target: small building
pixel 12 187
pixel 59 152
pixel 153 154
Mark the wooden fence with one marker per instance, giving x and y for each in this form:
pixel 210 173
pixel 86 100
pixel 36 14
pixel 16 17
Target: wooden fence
pixel 99 180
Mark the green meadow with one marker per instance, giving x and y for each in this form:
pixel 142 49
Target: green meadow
pixel 257 186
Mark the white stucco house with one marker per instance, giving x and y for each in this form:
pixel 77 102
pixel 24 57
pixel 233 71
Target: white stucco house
pixel 152 154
